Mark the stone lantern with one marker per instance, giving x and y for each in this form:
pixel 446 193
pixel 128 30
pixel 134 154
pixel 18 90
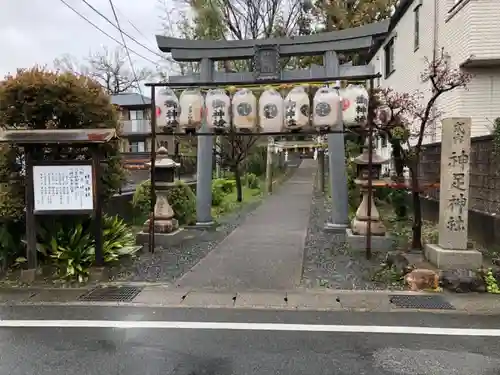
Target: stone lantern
pixel 164 220
pixel 359 225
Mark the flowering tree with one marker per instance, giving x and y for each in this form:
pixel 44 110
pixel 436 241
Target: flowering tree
pixel 404 119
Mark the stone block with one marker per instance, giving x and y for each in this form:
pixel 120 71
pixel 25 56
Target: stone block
pixel 365 302
pixel 99 274
pixel 336 228
pixel 261 300
pixel 164 239
pixel 378 243
pixel 58 295
pixel 446 259
pixel 313 301
pixel 209 299
pixel 15 295
pixel 28 276
pixel 162 296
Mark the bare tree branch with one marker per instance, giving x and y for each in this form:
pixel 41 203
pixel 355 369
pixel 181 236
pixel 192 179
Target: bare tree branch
pixel 107 67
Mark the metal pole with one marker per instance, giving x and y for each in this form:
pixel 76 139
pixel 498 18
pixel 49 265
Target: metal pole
pixel 321 168
pixel 153 165
pixel 370 176
pixel 269 166
pixel 97 170
pixel 31 252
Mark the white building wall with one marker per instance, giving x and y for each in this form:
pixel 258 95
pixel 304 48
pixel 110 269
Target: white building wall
pixel 469 30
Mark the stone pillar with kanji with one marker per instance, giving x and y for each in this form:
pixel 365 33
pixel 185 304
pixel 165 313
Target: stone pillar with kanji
pixel 452 250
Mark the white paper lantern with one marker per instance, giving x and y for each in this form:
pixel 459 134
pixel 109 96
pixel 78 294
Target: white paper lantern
pixel 218 109
pixel 244 106
pixel 297 109
pixel 191 103
pixel 271 111
pixel 327 112
pixel 355 105
pixel 168 109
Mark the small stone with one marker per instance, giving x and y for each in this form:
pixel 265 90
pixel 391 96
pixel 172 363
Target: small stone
pixel 462 281
pixel 421 279
pixel 398 261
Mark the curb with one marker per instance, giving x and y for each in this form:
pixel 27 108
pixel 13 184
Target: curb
pixel 163 296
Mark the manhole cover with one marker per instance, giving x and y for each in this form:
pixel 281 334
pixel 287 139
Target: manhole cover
pixel 421 302
pixel 112 293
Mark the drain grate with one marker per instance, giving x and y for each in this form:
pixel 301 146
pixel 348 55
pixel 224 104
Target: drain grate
pixel 112 294
pixel 426 302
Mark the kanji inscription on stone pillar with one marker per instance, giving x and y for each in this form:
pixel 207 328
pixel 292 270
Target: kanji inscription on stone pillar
pixel 454 187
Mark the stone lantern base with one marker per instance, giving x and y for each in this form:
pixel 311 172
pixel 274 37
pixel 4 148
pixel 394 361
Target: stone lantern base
pixel 357 234
pixel 357 242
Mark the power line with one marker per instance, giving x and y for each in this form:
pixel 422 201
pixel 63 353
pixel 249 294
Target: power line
pixel 131 24
pixel 105 33
pixel 116 26
pixel 153 130
pixel 122 34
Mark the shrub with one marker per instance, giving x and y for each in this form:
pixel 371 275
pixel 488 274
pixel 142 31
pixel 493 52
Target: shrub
pixel 118 239
pixel 251 181
pixel 226 185
pixel 256 162
pixel 183 201
pixel 11 246
pixel 141 201
pixel 40 99
pixel 217 194
pixel 70 245
pixel 180 196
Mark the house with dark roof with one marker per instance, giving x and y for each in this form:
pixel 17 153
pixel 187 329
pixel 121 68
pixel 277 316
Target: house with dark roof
pixel 468 31
pixel 135 130
pixel 135 118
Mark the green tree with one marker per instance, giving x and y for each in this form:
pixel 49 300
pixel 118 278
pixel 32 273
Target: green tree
pixel 232 152
pixel 343 14
pixel 40 99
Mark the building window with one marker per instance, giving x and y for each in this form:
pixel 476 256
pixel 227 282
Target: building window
pixel 389 58
pixel 137 147
pixel 384 141
pixel 137 115
pixel 416 42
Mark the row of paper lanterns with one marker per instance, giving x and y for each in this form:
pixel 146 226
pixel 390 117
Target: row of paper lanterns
pixel 331 108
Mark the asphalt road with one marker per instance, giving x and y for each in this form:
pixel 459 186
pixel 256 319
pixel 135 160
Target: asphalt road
pixel 110 340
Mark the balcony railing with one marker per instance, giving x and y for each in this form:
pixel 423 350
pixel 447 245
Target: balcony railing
pixel 136 127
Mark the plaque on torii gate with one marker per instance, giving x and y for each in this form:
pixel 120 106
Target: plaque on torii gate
pixel 265 55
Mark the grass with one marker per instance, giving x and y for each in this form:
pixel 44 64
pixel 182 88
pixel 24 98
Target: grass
pixel 401 230
pixel 229 203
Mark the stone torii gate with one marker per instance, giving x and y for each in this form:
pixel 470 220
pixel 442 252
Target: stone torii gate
pixel 266 54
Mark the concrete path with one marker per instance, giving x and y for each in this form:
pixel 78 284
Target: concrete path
pixel 266 251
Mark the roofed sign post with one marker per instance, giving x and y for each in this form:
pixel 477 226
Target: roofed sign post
pixel 60 187
pixel 266 54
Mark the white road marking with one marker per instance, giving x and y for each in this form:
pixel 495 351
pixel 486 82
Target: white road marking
pixel 249 327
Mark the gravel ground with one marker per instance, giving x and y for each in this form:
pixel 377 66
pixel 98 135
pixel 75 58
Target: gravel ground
pixel 329 263
pixel 166 265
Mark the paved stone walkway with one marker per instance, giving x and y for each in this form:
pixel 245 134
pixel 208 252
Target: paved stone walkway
pixel 266 251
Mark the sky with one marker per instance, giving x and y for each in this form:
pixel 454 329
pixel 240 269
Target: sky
pixel 38 31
